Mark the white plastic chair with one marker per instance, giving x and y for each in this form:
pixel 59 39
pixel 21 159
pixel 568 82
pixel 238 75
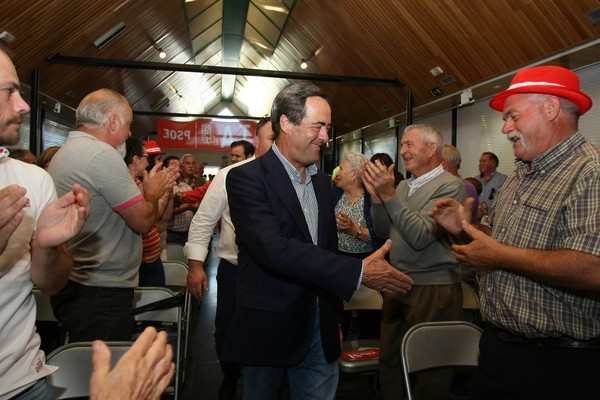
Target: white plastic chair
pixel 72 379
pixel 437 344
pixel 176 279
pixel 175 253
pixel 43 308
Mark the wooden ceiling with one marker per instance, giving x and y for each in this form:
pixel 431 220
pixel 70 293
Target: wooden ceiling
pixel 477 43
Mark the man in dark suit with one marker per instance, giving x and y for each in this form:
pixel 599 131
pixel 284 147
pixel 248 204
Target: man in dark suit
pixel 290 282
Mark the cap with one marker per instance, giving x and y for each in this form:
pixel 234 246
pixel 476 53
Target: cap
pixel 152 148
pixel 550 79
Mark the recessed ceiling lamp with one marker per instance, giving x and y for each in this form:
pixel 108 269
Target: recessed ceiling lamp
pixel 303 64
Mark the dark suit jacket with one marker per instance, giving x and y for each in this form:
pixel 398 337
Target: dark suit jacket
pixel 280 271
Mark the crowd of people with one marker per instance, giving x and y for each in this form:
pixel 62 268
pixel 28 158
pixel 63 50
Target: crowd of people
pixel 90 222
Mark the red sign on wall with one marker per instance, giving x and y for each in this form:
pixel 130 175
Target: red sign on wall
pixel 203 134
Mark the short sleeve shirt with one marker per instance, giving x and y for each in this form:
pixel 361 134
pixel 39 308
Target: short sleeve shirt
pixel 107 252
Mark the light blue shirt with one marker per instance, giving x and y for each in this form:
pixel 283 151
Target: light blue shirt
pixel 305 192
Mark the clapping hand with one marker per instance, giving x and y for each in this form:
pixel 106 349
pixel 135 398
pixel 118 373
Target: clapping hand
pixel 12 201
pixel 64 218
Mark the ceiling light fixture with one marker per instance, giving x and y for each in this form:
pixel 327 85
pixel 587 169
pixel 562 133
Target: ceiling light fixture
pixel 304 62
pixel 436 71
pixel 161 53
pixel 109 35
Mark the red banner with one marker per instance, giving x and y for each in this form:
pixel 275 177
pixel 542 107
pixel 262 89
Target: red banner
pixel 203 134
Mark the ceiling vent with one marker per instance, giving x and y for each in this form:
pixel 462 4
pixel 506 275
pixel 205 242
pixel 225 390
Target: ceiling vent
pixel 7 37
pixel 110 34
pixel 448 80
pixel 594 16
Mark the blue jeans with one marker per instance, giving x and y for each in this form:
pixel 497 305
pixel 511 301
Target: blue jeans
pixel 313 379
pixel 40 390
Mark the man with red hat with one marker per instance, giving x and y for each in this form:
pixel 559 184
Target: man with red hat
pixel 540 268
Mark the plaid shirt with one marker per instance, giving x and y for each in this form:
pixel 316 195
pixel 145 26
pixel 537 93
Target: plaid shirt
pixel 181 222
pixel 551 204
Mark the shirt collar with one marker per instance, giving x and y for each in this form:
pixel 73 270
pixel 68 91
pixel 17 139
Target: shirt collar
pixel 554 155
pixel 290 169
pixel 427 176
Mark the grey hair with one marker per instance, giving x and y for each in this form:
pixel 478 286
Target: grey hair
pixel 291 101
pixel 429 134
pixel 188 155
pixel 565 104
pixel 355 161
pixel 95 108
pixel 451 154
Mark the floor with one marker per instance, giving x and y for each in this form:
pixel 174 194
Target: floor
pixel 203 374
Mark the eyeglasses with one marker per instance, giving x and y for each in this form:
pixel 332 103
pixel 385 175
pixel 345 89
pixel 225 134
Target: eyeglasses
pixel 144 155
pixel 492 193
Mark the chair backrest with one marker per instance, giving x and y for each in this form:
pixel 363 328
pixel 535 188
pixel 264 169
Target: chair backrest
pixel 43 307
pixel 143 296
pixel 146 295
pixel 72 379
pixel 175 253
pixel 470 297
pixel 437 344
pixel 364 299
pixel 175 273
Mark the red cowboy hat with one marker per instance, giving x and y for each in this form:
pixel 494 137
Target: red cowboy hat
pixel 549 79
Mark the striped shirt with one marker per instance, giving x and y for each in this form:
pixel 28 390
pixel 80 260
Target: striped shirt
pixel 305 192
pixel 150 241
pixel 415 183
pixel 551 204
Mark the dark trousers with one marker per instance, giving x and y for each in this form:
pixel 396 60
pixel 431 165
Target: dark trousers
pixel 177 237
pixel 509 370
pixel 90 312
pixel 152 274
pixel 224 312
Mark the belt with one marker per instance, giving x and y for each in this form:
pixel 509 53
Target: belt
pixel 560 341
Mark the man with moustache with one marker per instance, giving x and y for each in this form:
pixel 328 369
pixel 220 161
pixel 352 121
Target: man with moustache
pixel 188 172
pixel 540 268
pixel 97 301
pixel 290 282
pixel 420 250
pixel 33 227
